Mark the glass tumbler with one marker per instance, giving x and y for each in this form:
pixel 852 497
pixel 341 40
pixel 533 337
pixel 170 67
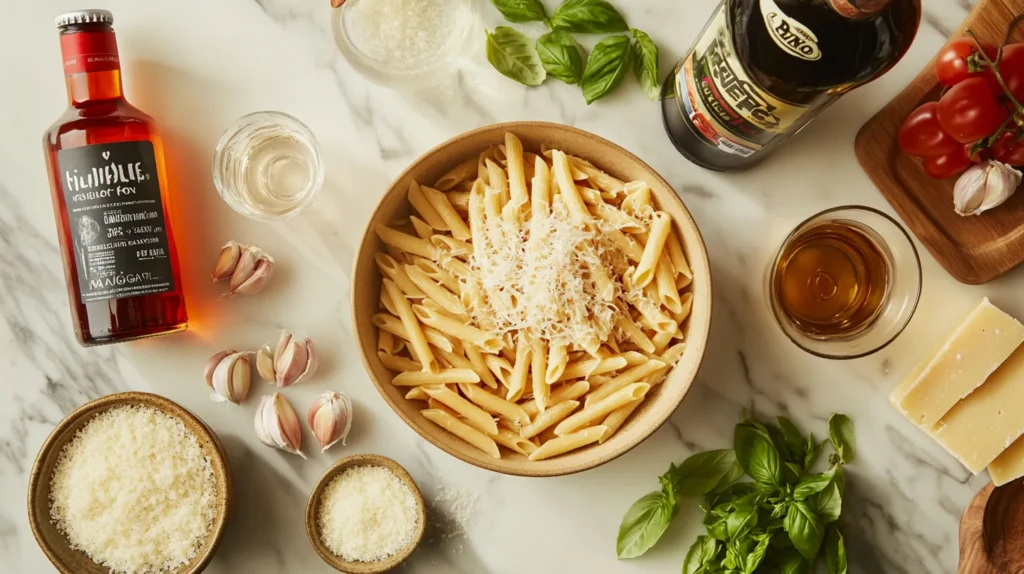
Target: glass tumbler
pixel 267 166
pixel 859 309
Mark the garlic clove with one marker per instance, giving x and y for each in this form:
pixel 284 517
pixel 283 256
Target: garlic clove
pixel 232 378
pixel 257 280
pixel 211 365
pixel 244 269
pixel 330 418
pixel 282 344
pixel 292 363
pixel 227 260
pixel 265 364
pixel 983 187
pixel 312 360
pixel 277 424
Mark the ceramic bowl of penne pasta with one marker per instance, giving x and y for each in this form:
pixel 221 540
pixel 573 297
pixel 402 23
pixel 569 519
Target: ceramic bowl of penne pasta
pixel 532 299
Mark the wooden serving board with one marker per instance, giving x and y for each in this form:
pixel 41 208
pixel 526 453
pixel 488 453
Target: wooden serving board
pixel 974 249
pixel 992 531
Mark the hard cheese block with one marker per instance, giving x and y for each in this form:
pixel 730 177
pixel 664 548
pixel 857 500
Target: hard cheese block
pixel 978 345
pixel 984 424
pixel 1008 466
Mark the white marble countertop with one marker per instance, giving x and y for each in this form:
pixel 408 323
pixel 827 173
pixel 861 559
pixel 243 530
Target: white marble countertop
pixel 196 65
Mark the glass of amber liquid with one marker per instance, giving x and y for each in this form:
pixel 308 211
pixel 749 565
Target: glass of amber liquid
pixel 845 282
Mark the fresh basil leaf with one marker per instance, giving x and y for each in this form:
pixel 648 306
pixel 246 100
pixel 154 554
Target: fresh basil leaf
pixel 645 64
pixel 758 456
pixel 606 66
pixel 588 17
pixel 814 450
pixel 644 524
pixel 735 473
pixel 741 521
pixel 793 563
pixel 701 553
pixel 521 10
pixel 756 556
pixel 805 529
pixel 828 503
pixel 513 54
pixel 798 446
pixel 702 472
pixel 561 55
pixel 835 551
pixel 813 484
pixel 792 472
pixel 840 431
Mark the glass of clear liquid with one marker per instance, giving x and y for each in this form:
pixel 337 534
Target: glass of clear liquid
pixel 267 166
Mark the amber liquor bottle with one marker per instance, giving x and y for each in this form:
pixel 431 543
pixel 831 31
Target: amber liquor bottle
pixel 110 196
pixel 761 69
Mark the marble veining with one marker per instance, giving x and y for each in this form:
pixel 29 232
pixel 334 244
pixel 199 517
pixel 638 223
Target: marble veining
pixel 196 66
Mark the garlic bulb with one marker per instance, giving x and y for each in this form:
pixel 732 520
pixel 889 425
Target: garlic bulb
pixel 330 418
pixel 247 267
pixel 229 376
pixel 984 186
pixel 277 425
pixel 293 360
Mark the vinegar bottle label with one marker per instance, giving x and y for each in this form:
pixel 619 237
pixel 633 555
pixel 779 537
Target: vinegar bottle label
pixel 116 219
pixel 793 37
pixel 729 109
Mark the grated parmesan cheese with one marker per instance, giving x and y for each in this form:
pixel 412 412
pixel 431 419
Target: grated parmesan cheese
pixel 540 278
pixel 367 514
pixel 134 491
pixel 402 33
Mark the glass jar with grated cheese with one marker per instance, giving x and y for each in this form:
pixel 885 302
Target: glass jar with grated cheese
pixel 404 43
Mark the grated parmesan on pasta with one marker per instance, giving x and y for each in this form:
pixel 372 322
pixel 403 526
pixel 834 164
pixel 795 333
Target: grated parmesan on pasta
pixel 538 279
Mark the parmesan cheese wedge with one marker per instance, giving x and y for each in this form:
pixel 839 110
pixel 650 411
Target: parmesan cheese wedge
pixel 975 348
pixel 1008 466
pixel 979 428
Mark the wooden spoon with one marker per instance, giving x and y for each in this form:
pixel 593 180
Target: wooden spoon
pixel 992 531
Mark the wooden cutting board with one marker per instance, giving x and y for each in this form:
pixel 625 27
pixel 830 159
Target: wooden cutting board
pixel 974 249
pixel 992 531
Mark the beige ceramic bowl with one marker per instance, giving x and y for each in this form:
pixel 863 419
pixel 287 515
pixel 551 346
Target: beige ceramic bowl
pixel 313 511
pixel 664 398
pixel 52 542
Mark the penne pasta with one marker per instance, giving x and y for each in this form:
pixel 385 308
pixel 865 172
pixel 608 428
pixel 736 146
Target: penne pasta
pixel 634 333
pixel 451 247
pixel 452 220
pixel 549 418
pixel 391 269
pixel 462 430
pixel 417 394
pixel 566 392
pixel 500 367
pixel 442 377
pixel 538 371
pixel 479 418
pixel 557 361
pixel 598 410
pixel 423 231
pixel 406 242
pixel 520 369
pixel 567 187
pixel 645 269
pixel 435 292
pixel 385 342
pixel 414 333
pixel 459 200
pixel 540 192
pixel 457 329
pixel 516 171
pixel 665 283
pixel 620 219
pixel 614 420
pixel 434 271
pixel 514 442
pixel 622 381
pixel 422 205
pixel 495 405
pixel 464 171
pixel 679 264
pixel 401 364
pixel 476 358
pixel 588 367
pixel 395 326
pixel 564 444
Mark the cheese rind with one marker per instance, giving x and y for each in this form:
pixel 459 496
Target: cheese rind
pixel 984 424
pixel 1008 466
pixel 972 352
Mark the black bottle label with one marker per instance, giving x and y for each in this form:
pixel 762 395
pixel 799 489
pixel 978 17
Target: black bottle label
pixel 116 220
pixel 729 109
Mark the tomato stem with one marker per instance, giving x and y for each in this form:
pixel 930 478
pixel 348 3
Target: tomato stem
pixel 994 66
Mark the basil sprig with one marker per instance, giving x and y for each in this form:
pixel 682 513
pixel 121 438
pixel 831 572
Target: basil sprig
pixel 563 58
pixel 513 54
pixel 780 520
pixel 519 11
pixel 561 55
pixel 588 17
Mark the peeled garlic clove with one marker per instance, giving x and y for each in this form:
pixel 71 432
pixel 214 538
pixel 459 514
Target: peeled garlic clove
pixel 265 364
pixel 277 425
pixel 211 365
pixel 984 186
pixel 330 418
pixel 227 260
pixel 232 378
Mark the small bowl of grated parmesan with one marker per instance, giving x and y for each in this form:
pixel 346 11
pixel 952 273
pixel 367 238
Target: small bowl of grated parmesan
pixel 365 515
pixel 130 483
pixel 404 43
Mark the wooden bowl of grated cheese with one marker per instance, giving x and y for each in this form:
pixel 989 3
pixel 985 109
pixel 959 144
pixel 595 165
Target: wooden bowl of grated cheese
pixel 619 353
pixel 141 483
